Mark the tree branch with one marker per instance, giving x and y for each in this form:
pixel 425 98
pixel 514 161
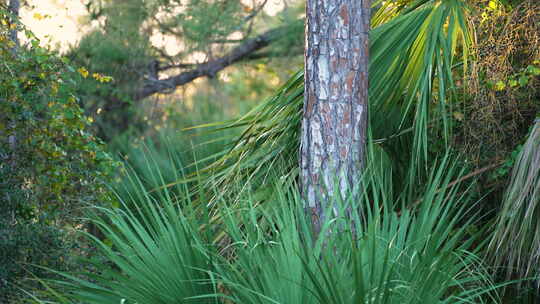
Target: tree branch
pixel 268 55
pixel 162 68
pixel 211 68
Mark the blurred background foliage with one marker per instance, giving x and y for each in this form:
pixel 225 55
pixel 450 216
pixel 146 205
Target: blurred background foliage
pixel 139 43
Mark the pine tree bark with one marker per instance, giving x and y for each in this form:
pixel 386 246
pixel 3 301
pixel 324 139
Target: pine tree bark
pixel 335 101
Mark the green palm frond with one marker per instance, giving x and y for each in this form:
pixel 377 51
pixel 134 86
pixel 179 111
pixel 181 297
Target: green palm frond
pixel 153 250
pixel 157 253
pixel 411 257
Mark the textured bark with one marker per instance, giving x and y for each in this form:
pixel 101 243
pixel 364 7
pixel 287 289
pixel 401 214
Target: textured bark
pixel 335 101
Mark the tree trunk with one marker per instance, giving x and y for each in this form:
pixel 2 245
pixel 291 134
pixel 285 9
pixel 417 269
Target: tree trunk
pixel 335 101
pixel 14 6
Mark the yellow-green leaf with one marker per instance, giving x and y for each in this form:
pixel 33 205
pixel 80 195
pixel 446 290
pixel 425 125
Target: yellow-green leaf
pixel 500 85
pixel 458 116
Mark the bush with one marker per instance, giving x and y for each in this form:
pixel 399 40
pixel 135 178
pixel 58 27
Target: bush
pixel 50 165
pixel 22 246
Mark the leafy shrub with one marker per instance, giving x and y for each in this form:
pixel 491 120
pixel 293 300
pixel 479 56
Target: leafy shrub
pixel 24 245
pixel 44 131
pixel 50 166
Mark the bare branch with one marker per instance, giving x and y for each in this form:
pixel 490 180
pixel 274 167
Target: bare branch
pixel 211 68
pixel 251 16
pixel 177 66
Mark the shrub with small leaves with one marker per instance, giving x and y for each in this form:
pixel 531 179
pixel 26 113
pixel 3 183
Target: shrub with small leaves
pixel 50 165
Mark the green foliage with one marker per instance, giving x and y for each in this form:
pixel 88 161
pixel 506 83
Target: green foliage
pixel 160 161
pixel 518 80
pixel 205 21
pixel 199 23
pixel 208 239
pixel 165 254
pixel 122 54
pixel 23 245
pixel 50 166
pixel 154 250
pixel 47 150
pixel 393 257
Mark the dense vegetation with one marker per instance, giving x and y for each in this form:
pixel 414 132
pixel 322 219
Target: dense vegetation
pixel 449 201
pixel 51 166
